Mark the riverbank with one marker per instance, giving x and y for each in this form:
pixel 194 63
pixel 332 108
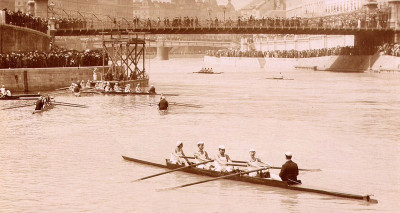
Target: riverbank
pixel 346 63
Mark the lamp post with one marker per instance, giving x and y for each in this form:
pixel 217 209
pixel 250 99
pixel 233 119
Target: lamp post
pixel 224 12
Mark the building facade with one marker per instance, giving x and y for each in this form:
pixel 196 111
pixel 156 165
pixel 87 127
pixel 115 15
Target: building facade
pixel 9 4
pixel 264 8
pixel 202 9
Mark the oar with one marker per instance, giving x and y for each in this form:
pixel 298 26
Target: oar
pixel 174 170
pixel 70 105
pixel 212 179
pixel 187 105
pixel 272 167
pixel 62 88
pixel 18 106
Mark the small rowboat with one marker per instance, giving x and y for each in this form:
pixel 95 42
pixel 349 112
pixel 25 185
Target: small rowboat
pixel 47 108
pixel 20 97
pixel 257 180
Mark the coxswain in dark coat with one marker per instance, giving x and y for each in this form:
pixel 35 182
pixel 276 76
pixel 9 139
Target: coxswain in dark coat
pixel 79 85
pixel 39 104
pixel 77 89
pixel 289 170
pixel 152 90
pixel 163 104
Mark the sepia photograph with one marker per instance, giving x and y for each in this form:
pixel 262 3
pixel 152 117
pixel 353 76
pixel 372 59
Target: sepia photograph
pixel 224 106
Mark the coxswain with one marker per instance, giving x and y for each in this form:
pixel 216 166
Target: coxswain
pixel 39 103
pixel 289 170
pixel 117 88
pixel 163 104
pixel 138 89
pixel 88 84
pixel 255 163
pixel 221 161
pixel 3 91
pixel 83 84
pixel 202 156
pixel 128 88
pixel 152 90
pixel 177 156
pixel 76 88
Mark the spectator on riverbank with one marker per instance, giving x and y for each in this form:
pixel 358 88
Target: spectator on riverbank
pixel 25 20
pixel 348 50
pixel 390 49
pixel 54 58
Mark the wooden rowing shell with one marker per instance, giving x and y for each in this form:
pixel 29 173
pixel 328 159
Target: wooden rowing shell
pixel 257 180
pixel 47 108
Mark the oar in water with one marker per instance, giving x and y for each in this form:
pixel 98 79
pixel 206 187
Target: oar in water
pixel 70 103
pixel 18 106
pixel 218 178
pixel 67 105
pixel 186 105
pixel 62 88
pixel 174 170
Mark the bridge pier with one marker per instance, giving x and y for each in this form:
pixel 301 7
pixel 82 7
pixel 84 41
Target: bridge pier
pixel 163 53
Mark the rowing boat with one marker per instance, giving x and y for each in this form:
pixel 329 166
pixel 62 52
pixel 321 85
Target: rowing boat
pixel 20 97
pixel 135 93
pixel 288 79
pixel 48 107
pixel 257 180
pixel 200 72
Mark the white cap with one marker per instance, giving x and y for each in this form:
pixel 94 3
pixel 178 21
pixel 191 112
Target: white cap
pixel 289 154
pixel 221 147
pixel 162 97
pixel 200 142
pixel 252 150
pixel 178 143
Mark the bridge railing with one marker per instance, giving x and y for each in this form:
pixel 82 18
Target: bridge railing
pixel 302 24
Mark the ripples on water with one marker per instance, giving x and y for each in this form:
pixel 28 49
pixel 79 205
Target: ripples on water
pixel 69 159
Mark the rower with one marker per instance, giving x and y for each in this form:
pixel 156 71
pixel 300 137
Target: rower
pixel 289 170
pixel 79 85
pixel 280 76
pixel 202 156
pixel 152 90
pixel 163 104
pixel 82 84
pixel 138 89
pixel 221 161
pixel 177 156
pixel 117 88
pixel 39 103
pixel 255 163
pixel 88 84
pixel 3 91
pixel 128 88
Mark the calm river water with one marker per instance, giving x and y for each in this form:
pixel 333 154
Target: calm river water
pixel 69 159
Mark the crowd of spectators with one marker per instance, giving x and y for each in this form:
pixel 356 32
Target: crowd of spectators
pixel 67 23
pixel 25 20
pixel 54 58
pixel 348 50
pixel 390 49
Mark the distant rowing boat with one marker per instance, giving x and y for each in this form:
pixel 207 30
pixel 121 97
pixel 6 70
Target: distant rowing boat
pixel 256 180
pixel 204 72
pixel 47 108
pixel 280 78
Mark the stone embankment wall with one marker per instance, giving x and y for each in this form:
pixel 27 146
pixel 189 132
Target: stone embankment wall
pixel 325 63
pixel 44 79
pixel 14 39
